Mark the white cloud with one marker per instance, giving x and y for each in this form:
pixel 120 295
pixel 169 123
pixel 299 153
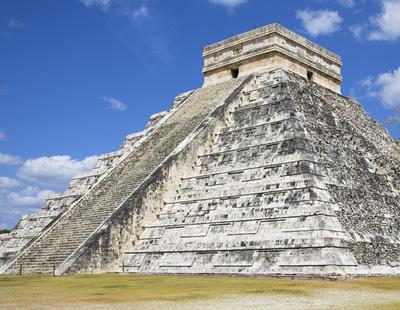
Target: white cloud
pixel 386 87
pixel 9 216
pixel 13 26
pixel 4 225
pixel 387 23
pixel 29 196
pixel 140 13
pixel 357 30
pixel 3 137
pixel 115 104
pixel 15 23
pixel 348 3
pixel 6 182
pixel 16 202
pixel 319 22
pixel 228 3
pixel 102 4
pixel 54 171
pixel 9 160
pixel 44 175
pixel 122 7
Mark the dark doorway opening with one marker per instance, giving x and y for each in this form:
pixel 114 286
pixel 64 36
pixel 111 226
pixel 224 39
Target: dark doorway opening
pixel 235 72
pixel 310 75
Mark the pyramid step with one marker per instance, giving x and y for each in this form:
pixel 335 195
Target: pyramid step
pixel 66 235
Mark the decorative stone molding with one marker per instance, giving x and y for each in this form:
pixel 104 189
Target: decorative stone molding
pixel 271 47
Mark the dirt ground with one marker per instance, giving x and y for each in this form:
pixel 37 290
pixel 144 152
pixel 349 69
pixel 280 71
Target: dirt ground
pixel 195 292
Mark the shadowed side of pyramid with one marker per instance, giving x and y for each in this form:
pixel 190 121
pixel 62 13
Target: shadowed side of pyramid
pixel 256 201
pixel 265 170
pixel 362 164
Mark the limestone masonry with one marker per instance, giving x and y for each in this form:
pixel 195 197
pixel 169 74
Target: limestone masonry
pixel 265 170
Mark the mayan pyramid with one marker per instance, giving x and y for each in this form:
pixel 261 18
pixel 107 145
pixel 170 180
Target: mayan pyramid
pixel 265 170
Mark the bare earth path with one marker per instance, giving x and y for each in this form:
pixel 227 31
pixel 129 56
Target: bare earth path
pixel 195 292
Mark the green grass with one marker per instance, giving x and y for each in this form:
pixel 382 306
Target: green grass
pixel 107 289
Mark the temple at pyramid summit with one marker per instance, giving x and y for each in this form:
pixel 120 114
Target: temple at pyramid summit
pixel 265 170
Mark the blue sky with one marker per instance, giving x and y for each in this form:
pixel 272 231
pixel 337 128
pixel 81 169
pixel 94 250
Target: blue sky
pixel 78 75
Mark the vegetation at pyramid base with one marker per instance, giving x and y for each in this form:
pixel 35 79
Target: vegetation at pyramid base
pixel 139 291
pixel 4 231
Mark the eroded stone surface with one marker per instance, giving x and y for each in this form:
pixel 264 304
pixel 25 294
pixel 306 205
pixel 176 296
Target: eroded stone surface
pixel 362 165
pixel 71 230
pixel 255 201
pixel 268 47
pixel 32 225
pixel 271 173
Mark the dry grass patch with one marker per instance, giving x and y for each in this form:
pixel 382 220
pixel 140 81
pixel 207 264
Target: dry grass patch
pixel 112 289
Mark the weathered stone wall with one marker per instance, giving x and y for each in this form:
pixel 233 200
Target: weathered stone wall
pixel 267 48
pixel 255 203
pixel 362 166
pixel 31 226
pixel 271 174
pixel 104 252
pixel 66 236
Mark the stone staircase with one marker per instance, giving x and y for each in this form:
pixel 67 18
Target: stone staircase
pixel 60 241
pixel 30 226
pixel 255 201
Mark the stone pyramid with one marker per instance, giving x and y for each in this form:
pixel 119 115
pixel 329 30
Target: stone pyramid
pixel 265 170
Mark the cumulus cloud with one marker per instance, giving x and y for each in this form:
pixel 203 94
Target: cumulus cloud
pixel 6 182
pixel 17 200
pixel 15 23
pixel 140 14
pixel 357 30
pixel 347 3
pixel 102 4
pixel 115 104
pixel 321 22
pixel 122 7
pixel 3 136
pixel 9 160
pixel 36 179
pixel 387 22
pixel 29 196
pixel 54 171
pixel 13 26
pixel 386 87
pixel 228 3
pixel 9 216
